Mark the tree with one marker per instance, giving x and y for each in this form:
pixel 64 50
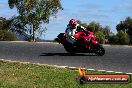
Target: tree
pixel 106 31
pixel 113 39
pixel 122 38
pixel 6 35
pixel 94 26
pixel 121 27
pixel 126 27
pixel 4 24
pixel 82 24
pixel 100 37
pixel 34 13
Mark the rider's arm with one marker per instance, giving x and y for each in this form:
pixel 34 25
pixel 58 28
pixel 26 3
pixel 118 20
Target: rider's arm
pixel 70 32
pixel 79 28
pixel 73 32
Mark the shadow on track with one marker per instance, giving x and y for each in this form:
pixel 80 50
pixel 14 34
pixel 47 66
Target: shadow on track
pixel 64 54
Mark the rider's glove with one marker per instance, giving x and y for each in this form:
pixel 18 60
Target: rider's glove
pixel 72 37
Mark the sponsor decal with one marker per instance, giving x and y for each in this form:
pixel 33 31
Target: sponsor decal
pixel 102 78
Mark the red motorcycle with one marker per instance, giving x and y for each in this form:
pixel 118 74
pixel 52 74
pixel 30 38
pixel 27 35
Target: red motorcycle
pixel 85 43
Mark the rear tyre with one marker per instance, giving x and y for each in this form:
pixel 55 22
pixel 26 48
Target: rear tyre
pixel 100 51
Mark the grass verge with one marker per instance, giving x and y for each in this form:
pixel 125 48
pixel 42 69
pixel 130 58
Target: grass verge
pixel 18 75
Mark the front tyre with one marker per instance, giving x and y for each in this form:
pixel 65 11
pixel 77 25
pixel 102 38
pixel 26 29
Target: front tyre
pixel 100 51
pixel 70 50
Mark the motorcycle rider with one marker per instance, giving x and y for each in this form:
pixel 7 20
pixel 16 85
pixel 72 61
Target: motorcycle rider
pixel 72 29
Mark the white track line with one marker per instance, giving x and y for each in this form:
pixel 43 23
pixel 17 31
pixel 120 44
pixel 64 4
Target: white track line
pixel 57 66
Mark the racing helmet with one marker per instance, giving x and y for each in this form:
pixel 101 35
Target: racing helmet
pixel 73 22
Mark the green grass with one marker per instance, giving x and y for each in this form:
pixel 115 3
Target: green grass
pixel 18 75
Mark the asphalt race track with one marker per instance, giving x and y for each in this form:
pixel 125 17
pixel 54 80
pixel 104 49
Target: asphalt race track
pixel 117 58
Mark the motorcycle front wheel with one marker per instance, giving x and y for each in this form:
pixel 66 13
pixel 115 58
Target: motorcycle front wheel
pixel 70 50
pixel 100 51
